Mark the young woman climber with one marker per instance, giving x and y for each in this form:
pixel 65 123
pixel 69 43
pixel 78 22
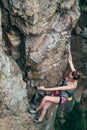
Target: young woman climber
pixel 60 93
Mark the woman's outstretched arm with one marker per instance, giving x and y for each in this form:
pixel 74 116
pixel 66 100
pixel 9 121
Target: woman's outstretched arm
pixel 70 59
pixel 71 87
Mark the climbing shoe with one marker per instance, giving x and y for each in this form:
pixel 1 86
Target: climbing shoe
pixel 32 111
pixel 36 121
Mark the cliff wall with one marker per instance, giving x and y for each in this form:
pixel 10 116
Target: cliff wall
pixel 33 41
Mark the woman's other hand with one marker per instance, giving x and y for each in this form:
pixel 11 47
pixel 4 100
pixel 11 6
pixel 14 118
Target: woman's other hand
pixel 41 88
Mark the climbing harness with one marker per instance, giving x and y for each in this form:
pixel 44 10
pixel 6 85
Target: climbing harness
pixel 65 95
pixel 70 95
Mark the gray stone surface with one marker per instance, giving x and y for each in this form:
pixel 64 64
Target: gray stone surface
pixel 36 36
pixel 13 88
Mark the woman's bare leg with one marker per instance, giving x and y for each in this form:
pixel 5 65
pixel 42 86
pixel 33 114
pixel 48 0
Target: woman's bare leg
pixel 46 102
pixel 44 109
pixel 43 102
pixel 53 99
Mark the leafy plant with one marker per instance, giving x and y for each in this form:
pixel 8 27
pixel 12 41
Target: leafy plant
pixel 73 120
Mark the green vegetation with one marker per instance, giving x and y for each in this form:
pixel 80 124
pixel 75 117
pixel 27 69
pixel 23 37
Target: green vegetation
pixel 74 120
pixel 83 5
pixel 83 2
pixel 83 8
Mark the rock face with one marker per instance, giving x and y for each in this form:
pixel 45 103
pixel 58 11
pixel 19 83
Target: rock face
pixel 35 35
pixel 13 89
pixel 47 28
pixel 13 93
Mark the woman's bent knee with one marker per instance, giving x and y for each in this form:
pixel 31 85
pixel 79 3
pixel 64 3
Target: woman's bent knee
pixel 45 98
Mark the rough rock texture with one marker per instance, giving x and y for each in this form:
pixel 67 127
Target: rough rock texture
pixel 47 27
pixel 13 93
pixel 35 35
pixel 12 87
